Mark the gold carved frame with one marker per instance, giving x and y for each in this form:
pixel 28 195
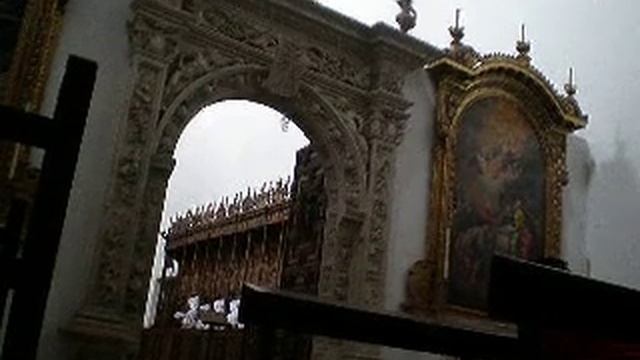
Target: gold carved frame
pixel 34 51
pixel 463 77
pixel 24 87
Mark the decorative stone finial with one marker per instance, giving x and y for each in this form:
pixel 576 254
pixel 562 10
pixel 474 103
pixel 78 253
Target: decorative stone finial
pixel 457 32
pixel 407 16
pixel 570 88
pixel 523 46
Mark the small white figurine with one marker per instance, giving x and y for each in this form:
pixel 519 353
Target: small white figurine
pixel 232 317
pixel 219 308
pixel 191 318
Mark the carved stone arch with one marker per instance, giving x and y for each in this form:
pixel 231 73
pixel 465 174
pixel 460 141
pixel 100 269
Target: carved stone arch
pixel 347 99
pixel 344 167
pixel 339 145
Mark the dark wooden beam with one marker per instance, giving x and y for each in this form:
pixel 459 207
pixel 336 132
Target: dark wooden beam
pixel 49 208
pixel 542 297
pixel 26 128
pixel 303 314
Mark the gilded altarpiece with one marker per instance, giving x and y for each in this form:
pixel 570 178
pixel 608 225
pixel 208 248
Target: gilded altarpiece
pixel 498 174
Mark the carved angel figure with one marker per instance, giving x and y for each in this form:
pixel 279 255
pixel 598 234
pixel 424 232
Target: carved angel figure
pixel 191 318
pixel 408 15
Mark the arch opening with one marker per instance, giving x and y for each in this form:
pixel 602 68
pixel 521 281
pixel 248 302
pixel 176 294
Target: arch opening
pixel 230 205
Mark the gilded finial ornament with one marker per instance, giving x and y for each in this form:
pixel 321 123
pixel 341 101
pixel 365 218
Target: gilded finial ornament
pixel 459 52
pixel 523 46
pixel 457 32
pixel 407 16
pixel 570 88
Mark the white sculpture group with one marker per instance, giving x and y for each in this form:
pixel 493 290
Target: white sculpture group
pixel 192 318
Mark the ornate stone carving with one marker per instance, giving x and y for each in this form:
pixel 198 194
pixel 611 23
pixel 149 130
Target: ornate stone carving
pixel 184 61
pixel 146 235
pixel 238 26
pixel 337 67
pixel 152 37
pixel 378 232
pixel 390 78
pixel 189 65
pixel 126 187
pixel 286 71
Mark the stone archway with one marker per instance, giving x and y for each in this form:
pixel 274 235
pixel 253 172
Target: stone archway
pixel 347 100
pixel 346 186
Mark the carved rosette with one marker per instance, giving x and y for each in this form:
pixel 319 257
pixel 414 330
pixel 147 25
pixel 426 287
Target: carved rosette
pixel 459 85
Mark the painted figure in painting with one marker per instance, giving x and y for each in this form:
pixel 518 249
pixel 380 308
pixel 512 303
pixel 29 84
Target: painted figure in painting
pixel 499 196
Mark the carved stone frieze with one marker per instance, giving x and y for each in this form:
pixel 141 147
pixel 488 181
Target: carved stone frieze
pixel 286 71
pixel 128 173
pixel 236 25
pixel 146 236
pixel 338 67
pixel 390 78
pixel 189 65
pixel 381 167
pixel 152 37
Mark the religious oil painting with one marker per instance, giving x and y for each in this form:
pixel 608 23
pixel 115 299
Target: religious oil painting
pixel 499 196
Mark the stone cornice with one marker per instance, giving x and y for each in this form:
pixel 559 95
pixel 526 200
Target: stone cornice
pixel 326 25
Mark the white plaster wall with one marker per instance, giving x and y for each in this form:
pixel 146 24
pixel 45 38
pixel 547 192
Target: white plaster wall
pixel 410 192
pixel 410 189
pixel 580 165
pixel 94 29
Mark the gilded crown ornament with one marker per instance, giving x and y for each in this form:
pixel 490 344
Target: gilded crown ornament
pixel 407 16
